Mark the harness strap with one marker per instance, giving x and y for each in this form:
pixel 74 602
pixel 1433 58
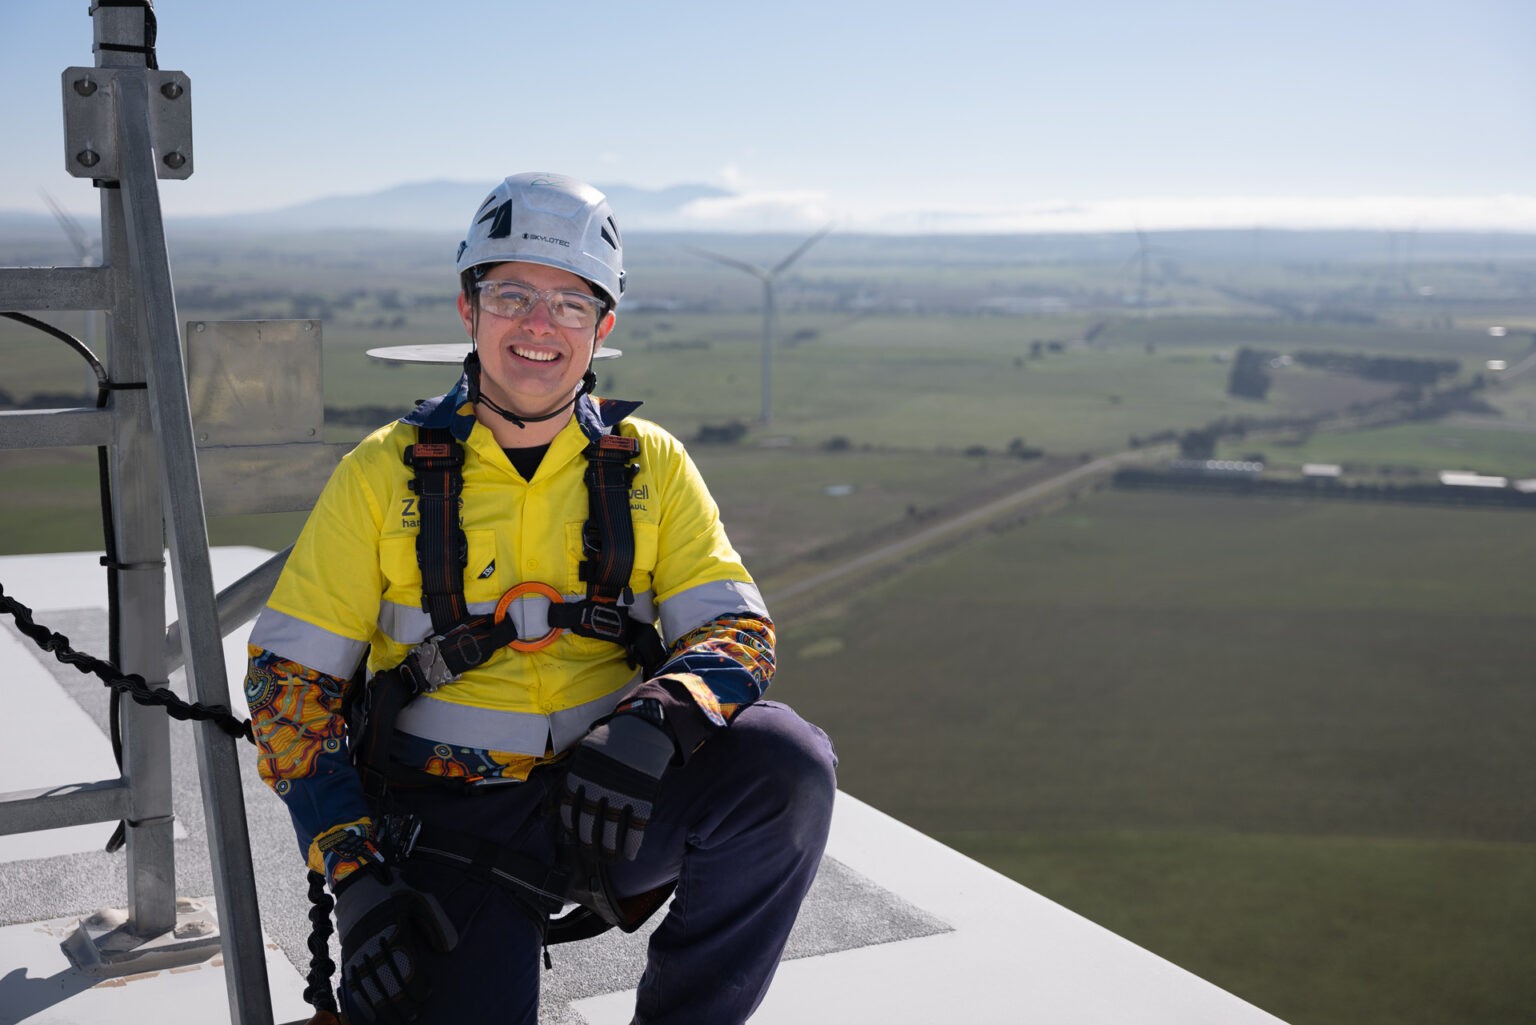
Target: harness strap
pixel 371 712
pixel 443 658
pixel 442 550
pixel 608 542
pixel 534 883
pixel 442 553
pixel 608 538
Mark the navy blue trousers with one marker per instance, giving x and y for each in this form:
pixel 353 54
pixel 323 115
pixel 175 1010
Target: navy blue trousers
pixel 740 828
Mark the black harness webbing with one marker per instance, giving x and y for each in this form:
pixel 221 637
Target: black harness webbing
pixel 442 551
pixel 460 641
pixel 608 543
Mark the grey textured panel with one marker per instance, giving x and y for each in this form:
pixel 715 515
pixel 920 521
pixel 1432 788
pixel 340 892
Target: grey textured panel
pixel 843 911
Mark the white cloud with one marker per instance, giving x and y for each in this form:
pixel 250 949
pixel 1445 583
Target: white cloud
pixel 760 210
pixel 731 177
pixel 1392 213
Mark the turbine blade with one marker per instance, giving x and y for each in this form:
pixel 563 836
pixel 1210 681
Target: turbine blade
pixel 77 236
pixel 755 271
pixel 800 250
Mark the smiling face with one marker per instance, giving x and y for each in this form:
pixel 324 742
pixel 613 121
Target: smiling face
pixel 529 364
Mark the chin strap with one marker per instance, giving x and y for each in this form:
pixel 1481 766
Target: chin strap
pixel 472 368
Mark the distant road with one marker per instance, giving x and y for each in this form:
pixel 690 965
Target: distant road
pixel 1523 367
pixel 1488 423
pixel 957 524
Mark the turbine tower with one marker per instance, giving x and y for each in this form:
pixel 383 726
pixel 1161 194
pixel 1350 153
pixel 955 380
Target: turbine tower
pixel 769 278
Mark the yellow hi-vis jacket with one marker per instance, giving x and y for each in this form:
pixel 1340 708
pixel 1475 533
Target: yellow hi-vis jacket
pixel 352 588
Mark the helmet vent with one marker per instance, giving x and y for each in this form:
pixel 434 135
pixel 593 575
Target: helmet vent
pixel 610 233
pixel 501 221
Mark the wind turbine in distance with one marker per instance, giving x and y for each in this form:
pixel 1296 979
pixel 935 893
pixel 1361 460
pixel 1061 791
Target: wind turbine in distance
pixel 88 251
pixel 1142 257
pixel 768 278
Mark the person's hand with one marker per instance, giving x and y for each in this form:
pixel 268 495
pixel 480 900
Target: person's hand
pixel 386 928
pixel 612 783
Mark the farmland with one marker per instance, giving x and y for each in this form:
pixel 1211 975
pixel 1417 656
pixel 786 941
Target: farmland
pixel 1286 744
pixel 1283 743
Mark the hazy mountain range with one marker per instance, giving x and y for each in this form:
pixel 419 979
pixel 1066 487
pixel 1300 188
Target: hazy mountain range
pixel 440 206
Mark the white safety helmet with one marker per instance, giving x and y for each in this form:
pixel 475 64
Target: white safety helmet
pixel 547 219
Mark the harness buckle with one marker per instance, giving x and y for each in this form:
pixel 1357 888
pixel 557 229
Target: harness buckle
pixel 605 621
pixel 426 667
pixel 397 837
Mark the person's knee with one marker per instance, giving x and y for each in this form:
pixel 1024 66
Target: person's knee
pixel 789 755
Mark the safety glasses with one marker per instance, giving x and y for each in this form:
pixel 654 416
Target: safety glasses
pixel 513 299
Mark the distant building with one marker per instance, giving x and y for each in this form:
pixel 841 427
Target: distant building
pixel 1324 471
pixel 1012 305
pixel 1468 479
pixel 1217 467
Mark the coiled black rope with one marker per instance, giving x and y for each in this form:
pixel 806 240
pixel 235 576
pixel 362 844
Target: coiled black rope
pixel 132 684
pixel 318 993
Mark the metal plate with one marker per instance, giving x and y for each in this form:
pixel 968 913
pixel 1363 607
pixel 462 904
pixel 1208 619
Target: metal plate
pixel 91 147
pixel 451 352
pixel 255 382
pixel 241 479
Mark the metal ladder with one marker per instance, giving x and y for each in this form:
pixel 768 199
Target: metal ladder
pixel 126 125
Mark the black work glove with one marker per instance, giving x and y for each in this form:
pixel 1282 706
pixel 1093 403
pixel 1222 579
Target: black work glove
pixel 386 927
pixel 612 783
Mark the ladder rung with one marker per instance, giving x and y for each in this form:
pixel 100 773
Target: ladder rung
pixel 74 804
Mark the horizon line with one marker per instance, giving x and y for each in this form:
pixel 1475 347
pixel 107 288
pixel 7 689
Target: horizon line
pixel 775 211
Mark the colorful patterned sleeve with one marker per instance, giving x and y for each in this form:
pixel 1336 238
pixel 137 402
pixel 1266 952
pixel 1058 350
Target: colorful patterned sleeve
pixel 712 673
pixel 731 655
pixel 302 755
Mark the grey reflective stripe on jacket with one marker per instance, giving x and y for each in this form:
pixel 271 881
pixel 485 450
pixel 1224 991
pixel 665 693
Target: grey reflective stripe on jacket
pixel 688 610
pixel 523 733
pixel 406 624
pixel 307 644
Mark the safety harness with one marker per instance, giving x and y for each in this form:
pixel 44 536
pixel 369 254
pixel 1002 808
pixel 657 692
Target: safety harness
pixel 461 641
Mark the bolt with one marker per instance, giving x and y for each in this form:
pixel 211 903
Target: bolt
pixel 172 90
pixel 85 86
pixel 88 157
pixel 199 326
pixel 175 160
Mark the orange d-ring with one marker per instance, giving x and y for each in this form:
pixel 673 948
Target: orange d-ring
pixel 522 590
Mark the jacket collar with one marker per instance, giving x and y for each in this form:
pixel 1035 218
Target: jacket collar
pixel 453 410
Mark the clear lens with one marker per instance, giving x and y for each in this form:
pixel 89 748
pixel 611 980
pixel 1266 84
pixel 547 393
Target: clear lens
pixel 513 299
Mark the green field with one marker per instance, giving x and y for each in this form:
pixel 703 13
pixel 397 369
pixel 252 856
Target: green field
pixel 1285 744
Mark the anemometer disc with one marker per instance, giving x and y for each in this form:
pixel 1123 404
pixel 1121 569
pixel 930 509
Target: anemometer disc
pixel 447 353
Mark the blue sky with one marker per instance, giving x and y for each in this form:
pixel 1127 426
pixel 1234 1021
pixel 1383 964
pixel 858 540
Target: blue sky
pixel 954 115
